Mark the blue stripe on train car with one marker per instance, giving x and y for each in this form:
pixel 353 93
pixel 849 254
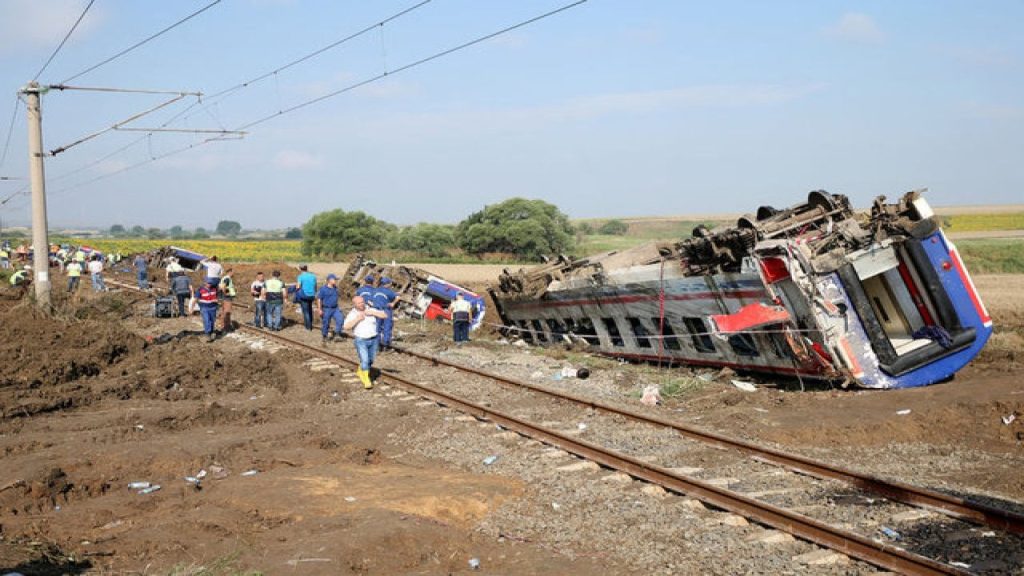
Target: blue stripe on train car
pixel 939 254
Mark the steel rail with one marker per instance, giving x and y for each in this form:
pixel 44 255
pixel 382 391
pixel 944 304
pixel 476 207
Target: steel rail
pixel 952 506
pixel 874 552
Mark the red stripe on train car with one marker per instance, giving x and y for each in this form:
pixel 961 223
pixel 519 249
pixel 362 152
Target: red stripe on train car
pixel 732 295
pixel 954 255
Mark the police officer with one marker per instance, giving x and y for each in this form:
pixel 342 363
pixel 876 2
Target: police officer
pixel 206 296
pixel 384 299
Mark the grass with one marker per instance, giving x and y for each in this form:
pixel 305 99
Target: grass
pixel 1003 256
pixel 224 566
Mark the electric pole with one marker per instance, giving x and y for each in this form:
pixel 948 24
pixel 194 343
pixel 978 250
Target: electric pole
pixel 40 238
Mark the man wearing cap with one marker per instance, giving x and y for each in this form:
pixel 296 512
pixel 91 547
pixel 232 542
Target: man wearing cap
pixel 206 296
pixel 384 299
pixel 305 287
pixel 367 289
pixel 362 321
pixel 327 307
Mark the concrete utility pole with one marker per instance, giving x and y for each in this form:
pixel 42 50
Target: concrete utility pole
pixel 40 237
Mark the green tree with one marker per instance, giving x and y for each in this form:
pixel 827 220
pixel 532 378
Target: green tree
pixel 176 232
pixel 154 233
pixel 200 233
pixel 228 228
pixel 293 234
pixel 584 228
pixel 118 230
pixel 138 231
pixel 338 232
pixel 431 239
pixel 526 228
pixel 614 228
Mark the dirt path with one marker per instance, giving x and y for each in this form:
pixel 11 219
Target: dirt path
pixel 349 482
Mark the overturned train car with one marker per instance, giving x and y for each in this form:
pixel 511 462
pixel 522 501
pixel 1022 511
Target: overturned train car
pixel 878 299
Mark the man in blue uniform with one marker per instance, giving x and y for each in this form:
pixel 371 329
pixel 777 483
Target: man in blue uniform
pixel 327 307
pixel 367 289
pixel 384 299
pixel 305 287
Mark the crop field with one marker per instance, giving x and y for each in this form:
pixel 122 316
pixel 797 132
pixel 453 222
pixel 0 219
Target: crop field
pixel 984 222
pixel 229 250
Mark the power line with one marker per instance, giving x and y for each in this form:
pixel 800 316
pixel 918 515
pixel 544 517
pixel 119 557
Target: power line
pixel 309 102
pixel 211 100
pixel 411 65
pixel 143 41
pixel 66 36
pixel 376 25
pixel 10 130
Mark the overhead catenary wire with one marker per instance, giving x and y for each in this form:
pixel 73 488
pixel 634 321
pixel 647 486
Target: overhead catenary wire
pixel 412 65
pixel 349 88
pixel 10 129
pixel 141 42
pixel 212 98
pixel 62 42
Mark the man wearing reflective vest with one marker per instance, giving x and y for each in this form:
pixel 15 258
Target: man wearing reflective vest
pixel 74 270
pixel 206 297
pixel 275 292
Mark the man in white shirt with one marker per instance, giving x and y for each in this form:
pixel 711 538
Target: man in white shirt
pixel 362 321
pixel 96 273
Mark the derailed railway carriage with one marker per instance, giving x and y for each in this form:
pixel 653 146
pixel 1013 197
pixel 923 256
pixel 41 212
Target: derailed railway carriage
pixel 878 299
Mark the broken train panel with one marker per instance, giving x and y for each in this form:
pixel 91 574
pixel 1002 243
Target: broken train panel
pixel 420 293
pixel 880 299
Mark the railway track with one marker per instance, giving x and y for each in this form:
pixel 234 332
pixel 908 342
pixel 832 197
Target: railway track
pixel 873 551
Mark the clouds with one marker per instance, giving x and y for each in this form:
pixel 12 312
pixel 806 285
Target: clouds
pixel 34 25
pixel 297 160
pixel 857 28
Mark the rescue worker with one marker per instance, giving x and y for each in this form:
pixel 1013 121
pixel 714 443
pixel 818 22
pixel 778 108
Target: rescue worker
pixel 206 297
pixel 173 268
pixel 79 256
pixel 327 308
pixel 462 313
pixel 74 271
pixel 5 259
pixel 227 295
pixel 140 266
pixel 181 287
pixel 305 292
pixel 213 268
pixel 259 300
pixel 275 290
pixel 362 321
pixel 96 273
pixel 367 289
pixel 384 299
pixel 22 278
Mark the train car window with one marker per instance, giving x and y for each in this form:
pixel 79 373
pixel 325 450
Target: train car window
pixel 699 335
pixel 743 344
pixel 556 328
pixel 643 337
pixel 613 331
pixel 538 331
pixel 584 328
pixel 526 334
pixel 668 335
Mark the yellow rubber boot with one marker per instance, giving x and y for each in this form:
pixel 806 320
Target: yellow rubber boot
pixel 364 377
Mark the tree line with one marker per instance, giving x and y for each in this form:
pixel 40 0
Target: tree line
pixel 528 229
pixel 226 228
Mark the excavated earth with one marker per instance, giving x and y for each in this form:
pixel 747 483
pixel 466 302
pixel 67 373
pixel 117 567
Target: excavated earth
pixel 307 473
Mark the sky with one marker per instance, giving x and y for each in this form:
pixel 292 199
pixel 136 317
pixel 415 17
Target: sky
pixel 612 108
